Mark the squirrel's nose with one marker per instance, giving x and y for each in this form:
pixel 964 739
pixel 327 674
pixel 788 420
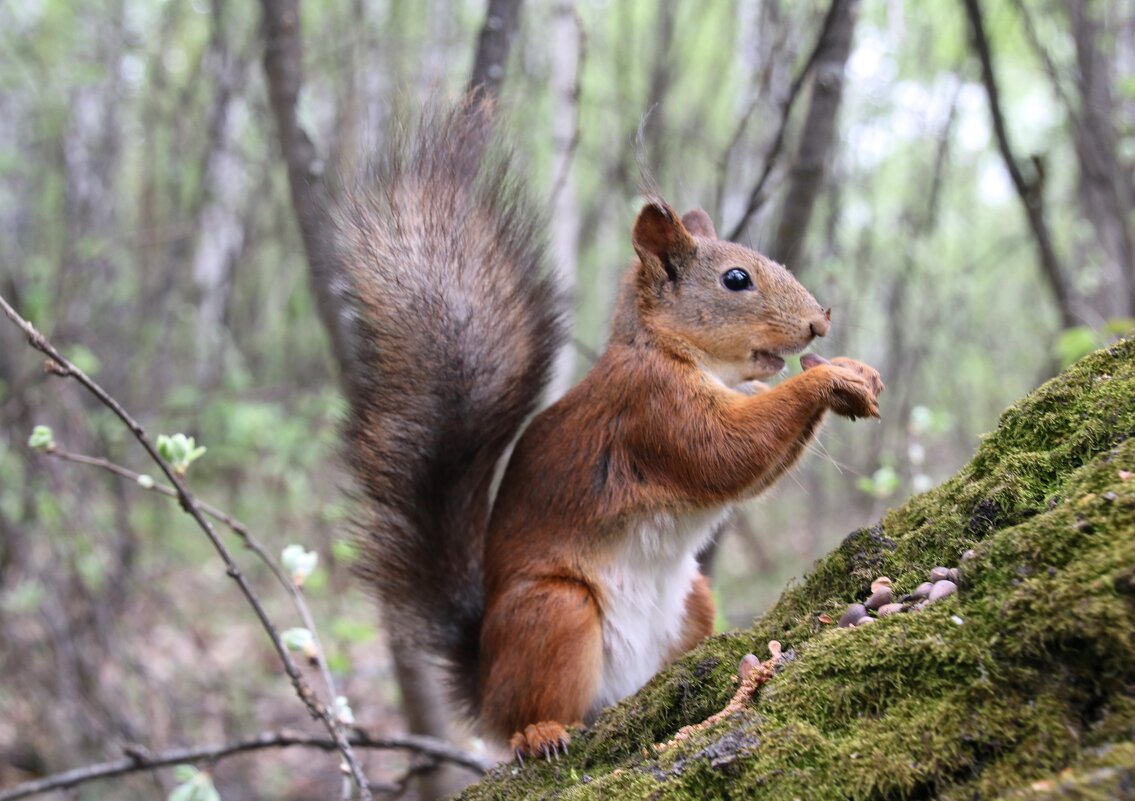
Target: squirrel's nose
pixel 820 325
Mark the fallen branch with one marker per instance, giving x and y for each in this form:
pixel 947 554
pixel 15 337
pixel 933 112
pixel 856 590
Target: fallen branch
pixel 753 674
pixel 139 759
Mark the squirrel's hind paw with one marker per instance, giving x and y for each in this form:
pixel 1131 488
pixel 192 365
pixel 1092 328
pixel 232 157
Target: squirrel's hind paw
pixel 546 738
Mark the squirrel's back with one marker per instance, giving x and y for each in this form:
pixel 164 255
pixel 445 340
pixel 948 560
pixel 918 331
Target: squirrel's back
pixel 455 323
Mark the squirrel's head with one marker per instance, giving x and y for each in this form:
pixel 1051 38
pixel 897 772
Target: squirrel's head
pixel 738 311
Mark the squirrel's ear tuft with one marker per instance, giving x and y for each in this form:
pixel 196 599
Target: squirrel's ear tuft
pixel 660 239
pixel 698 223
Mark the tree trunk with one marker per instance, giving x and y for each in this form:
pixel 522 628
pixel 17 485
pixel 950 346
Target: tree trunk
pixel 1106 188
pixel 818 134
pixel 566 62
pixel 1029 192
pixel 423 699
pixel 502 21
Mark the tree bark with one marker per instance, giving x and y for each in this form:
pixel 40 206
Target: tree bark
pixel 759 193
pixel 818 136
pixel 283 68
pixel 1106 188
pixel 566 65
pixel 1029 192
pixel 493 46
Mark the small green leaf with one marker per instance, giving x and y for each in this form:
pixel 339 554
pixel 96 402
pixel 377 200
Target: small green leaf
pixel 185 773
pixel 196 785
pixel 345 551
pixel 42 439
pixel 920 419
pixel 299 563
pixel 1075 343
pixel 299 639
pixel 179 450
pixel 343 711
pixel 1119 326
pixel 184 792
pixel 85 359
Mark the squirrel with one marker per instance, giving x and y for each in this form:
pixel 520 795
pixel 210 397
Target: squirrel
pixel 579 581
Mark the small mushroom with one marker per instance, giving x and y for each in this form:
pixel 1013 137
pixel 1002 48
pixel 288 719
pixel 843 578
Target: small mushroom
pixel 968 555
pixel 749 662
pixel 883 595
pixel 922 590
pixel 954 575
pixel 852 615
pixel 889 609
pixel 938 573
pixel 880 582
pixel 942 589
pixel 863 621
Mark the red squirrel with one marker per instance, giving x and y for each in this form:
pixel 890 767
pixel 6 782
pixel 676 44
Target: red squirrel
pixel 579 581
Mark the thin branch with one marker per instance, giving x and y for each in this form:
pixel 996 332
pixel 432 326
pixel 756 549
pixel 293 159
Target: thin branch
pixel 60 365
pixel 283 69
pixel 1028 192
pixel 238 528
pixel 757 196
pixel 764 73
pixel 569 151
pixel 140 759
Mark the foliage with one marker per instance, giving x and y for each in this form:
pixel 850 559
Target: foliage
pixel 196 785
pixel 180 451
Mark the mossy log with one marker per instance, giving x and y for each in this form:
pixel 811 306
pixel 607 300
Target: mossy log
pixel 1020 685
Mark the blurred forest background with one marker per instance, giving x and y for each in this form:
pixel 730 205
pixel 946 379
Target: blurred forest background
pixel 147 228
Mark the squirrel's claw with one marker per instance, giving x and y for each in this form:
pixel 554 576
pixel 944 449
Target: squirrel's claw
pixel 547 738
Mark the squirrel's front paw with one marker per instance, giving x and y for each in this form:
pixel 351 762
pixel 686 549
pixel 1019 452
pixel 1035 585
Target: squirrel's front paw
pixel 865 371
pixel 546 737
pixel 855 388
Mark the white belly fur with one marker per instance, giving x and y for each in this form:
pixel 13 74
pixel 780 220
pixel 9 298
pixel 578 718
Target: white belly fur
pixel 646 588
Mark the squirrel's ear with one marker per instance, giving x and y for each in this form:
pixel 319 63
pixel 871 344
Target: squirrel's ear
pixel 698 223
pixel 660 239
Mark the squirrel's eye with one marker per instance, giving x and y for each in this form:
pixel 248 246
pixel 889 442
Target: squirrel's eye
pixel 736 280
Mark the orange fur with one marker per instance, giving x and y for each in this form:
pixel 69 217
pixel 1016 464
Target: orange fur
pixel 580 581
pixel 648 430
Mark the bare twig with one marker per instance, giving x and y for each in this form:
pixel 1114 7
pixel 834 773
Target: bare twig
pixel 140 759
pixel 58 364
pixel 765 73
pixel 238 528
pixel 567 155
pixel 753 674
pixel 757 196
pixel 1029 192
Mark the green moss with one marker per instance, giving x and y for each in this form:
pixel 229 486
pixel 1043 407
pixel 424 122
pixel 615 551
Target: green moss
pixel 1020 686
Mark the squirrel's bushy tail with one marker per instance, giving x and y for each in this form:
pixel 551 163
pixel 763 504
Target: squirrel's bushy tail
pixel 455 323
